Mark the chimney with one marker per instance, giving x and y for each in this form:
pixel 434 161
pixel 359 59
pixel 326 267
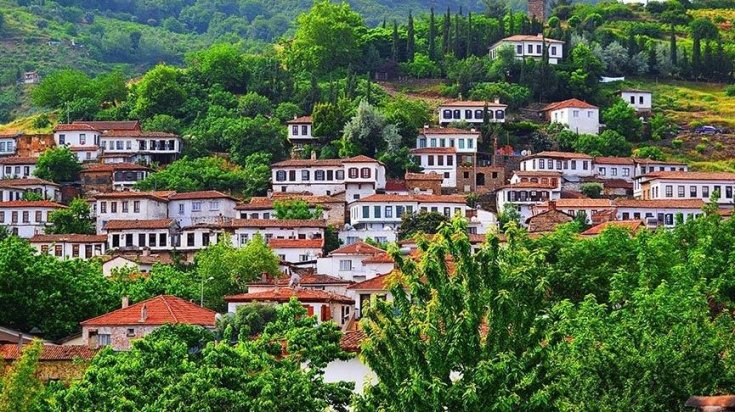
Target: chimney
pixel 143 314
pixel 145 252
pixel 473 130
pixel 426 126
pixel 496 100
pixel 552 205
pixel 125 302
pixel 313 155
pixel 269 193
pixel 20 343
pixel 540 35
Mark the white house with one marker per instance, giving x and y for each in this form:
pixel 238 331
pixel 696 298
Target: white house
pixel 7 144
pixel 325 306
pixel 299 131
pixel 27 218
pixel 661 212
pixel 349 262
pixel 302 279
pixel 472 112
pixel 82 139
pixel 572 166
pixel 645 166
pixel 17 167
pixel 209 206
pixel 356 177
pixel 130 206
pixel 245 229
pixel 530 46
pixel 14 189
pixel 442 150
pixel 134 146
pixel 156 234
pixel 70 246
pixel 614 168
pixel 640 100
pixel 363 292
pixel 528 189
pixel 686 185
pixel 297 250
pixel 576 115
pixel 137 263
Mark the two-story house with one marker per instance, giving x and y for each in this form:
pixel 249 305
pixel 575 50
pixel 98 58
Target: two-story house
pixel 614 168
pixel 572 166
pixel 299 132
pixel 70 246
pixel 528 189
pixel 81 138
pixel 244 229
pixel 530 46
pixel 332 207
pixel 17 167
pixel 645 166
pixel 687 185
pixel 27 218
pixel 445 150
pixel 297 250
pixel 130 206
pixel 640 100
pixel 659 212
pixel 209 206
pixel 357 261
pixel 154 234
pixel 15 189
pixel 136 146
pixel 472 112
pixel 576 115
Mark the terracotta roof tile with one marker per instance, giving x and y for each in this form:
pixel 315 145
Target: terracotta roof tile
pixel 159 196
pixel 661 203
pixel 31 203
pixel 205 194
pixel 471 103
pixel 73 127
pixel 90 148
pixel 380 197
pixel 137 133
pixel 632 225
pixel 284 295
pixel 581 203
pixel 111 124
pixel 434 150
pixel 379 258
pixel 159 310
pixel 446 130
pixel 239 223
pixel 530 185
pixel 10 352
pixel 296 243
pixel 351 340
pixel 530 37
pixel 424 176
pixel 300 120
pixel 357 248
pixel 307 279
pixel 569 103
pixel 111 167
pixel 560 155
pixel 359 159
pixel 680 175
pixel 71 238
pixel 309 162
pixel 614 160
pixel 395 185
pixel 138 224
pixel 532 173
pixel 379 282
pixel 31 181
pixel 18 160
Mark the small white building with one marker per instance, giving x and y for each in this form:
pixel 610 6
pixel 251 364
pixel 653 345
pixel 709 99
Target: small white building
pixel 136 146
pixel 15 189
pixel 614 168
pixel 299 131
pixel 646 166
pixel 528 189
pixel 530 46
pixel 70 246
pixel 660 212
pixel 572 166
pixel 17 167
pixel 576 115
pixel 245 229
pixel 156 235
pixel 82 139
pixel 363 292
pixel 356 262
pixel 209 206
pixel 130 206
pixel 443 150
pixel 472 112
pixel 686 185
pixel 27 218
pixel 640 100
pixel 7 144
pixel 135 263
pixel 297 250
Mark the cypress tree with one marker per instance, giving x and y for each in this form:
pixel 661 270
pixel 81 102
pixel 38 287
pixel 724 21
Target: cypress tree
pixel 511 23
pixel 632 45
pixel 445 32
pixel 456 35
pixel 394 42
pixel 384 26
pixel 410 40
pixel 672 46
pixel 468 51
pixel 652 63
pixel 432 36
pixel 696 55
pixel 707 59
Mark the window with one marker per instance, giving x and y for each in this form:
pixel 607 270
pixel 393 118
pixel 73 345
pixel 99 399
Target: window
pixel 574 165
pixel 136 206
pixel 345 265
pixel 705 192
pixel 141 239
pixel 553 50
pixel 432 142
pixel 499 114
pixel 680 190
pixel 399 211
pixel 196 206
pixel 640 99
pixel 295 130
pixel 447 212
pixel 339 175
pixel 39 216
pixel 728 192
pixel 692 191
pixel 470 143
pixel 389 211
pixel 468 114
pixel 330 175
pixel 479 114
pixel 125 205
pixel 304 129
pixel 58 251
pixel 365 212
pixel 461 143
pixel 365 173
pixel 205 239
pixel 128 145
pixel 319 175
pixel 530 48
pixel 162 237
pixel 430 160
pixel 181 208
pixel 575 113
pixel 103 339
pixel 214 205
pixel 632 99
pixel 538 49
pixel 669 191
pixel 626 172
pixel 422 142
pixel 130 333
pixel 2 217
pixel 353 173
pixel 457 114
pixel 613 171
pixel 305 174
pixel 113 207
pixel 602 171
pixel 376 211
pixel 26 217
pixel 717 191
pixel 519 49
pixel 450 160
pixel 291 175
pixel 62 139
pixel 44 248
pixel 447 114
pixel 119 145
pixel 280 176
pixel 542 164
pixel 440 160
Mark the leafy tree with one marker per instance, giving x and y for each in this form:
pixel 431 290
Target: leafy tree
pixel 514 95
pixel 77 218
pixel 328 120
pixel 60 88
pixel 662 127
pixel 649 152
pixel 509 215
pixel 20 389
pixel 286 111
pixel 58 165
pixel 327 37
pixel 421 67
pixel 179 367
pixel 398 162
pixel 296 209
pixel 622 118
pixel 32 286
pixel 592 190
pixel 252 104
pixel 411 39
pixel 161 280
pixel 422 222
pixel 254 136
pixel 368 131
pixel 160 91
pixel 607 143
pixel 222 64
pixel 32 196
pixel 408 116
pixel 248 320
pixel 163 123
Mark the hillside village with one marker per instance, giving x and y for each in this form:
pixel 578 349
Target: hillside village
pixel 351 201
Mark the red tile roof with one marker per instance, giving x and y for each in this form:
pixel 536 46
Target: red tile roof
pixel 434 150
pixel 395 185
pixel 90 148
pixel 300 120
pixel 159 310
pixel 111 124
pixel 309 279
pixel 111 167
pixel 285 294
pixel 446 130
pixel 680 175
pixel 424 176
pixel 532 173
pixel 138 224
pixel 581 203
pixel 569 103
pixel 239 223
pixel 530 37
pixel 379 282
pixel 73 127
pixel 205 194
pixel 615 160
pixel 380 197
pixel 31 181
pixel 31 203
pixel 137 133
pixel 530 185
pixel 359 159
pixel 18 160
pixel 11 352
pixel 471 103
pixel 357 248
pixel 351 340
pixel 309 162
pixel 71 238
pixel 379 258
pixel 661 203
pixel 632 225
pixel 296 243
pixel 560 155
pixel 131 194
pixel 647 161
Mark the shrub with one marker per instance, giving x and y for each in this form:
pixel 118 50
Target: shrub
pixel 592 190
pixel 718 146
pixel 700 148
pixel 730 90
pixel 677 143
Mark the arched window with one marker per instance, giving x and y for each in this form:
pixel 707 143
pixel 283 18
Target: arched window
pixel 479 114
pixel 468 114
pixel 457 114
pixel 365 173
pixel 281 176
pixel 499 114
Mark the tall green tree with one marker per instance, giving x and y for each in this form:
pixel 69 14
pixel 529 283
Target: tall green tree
pixel 296 209
pixel 410 39
pixel 20 389
pixel 622 118
pixel 77 218
pixel 160 91
pixel 58 165
pixel 432 36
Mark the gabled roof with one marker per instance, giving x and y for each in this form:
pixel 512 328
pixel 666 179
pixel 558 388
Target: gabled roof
pixel 204 194
pixel 424 176
pixel 632 225
pixel 31 203
pixel 608 160
pixel 70 238
pixel 159 310
pixel 307 279
pixel 138 133
pixel 647 161
pixel 530 185
pixel 11 352
pixel 357 248
pixel 131 194
pixel 379 258
pixel 472 103
pixel 569 103
pixel 111 124
pixel 282 295
pixel 422 150
pixel 18 160
pixel 31 181
pixel 242 223
pixel 111 167
pixel 530 37
pixel 384 197
pixel 359 159
pixel 379 282
pixel 351 340
pixel 62 127
pixel 581 203
pixel 138 224
pixel 301 120
pixel 296 243
pixel 661 203
pixel 308 162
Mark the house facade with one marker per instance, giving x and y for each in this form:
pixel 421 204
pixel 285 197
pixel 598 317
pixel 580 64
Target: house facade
pixel 472 112
pixel 155 235
pixel 245 229
pixel 299 131
pixel 17 167
pixel 297 250
pixel 27 218
pixel 444 150
pixel 530 46
pixel 576 115
pixel 70 246
pixel 209 206
pixel 136 146
pixel 15 189
pixel 102 177
pixel 8 144
pixel 661 212
pixel 528 189
pixel 640 100
pixel 686 185
pixel 80 138
pixel 130 206
pixel 357 262
pixel 572 166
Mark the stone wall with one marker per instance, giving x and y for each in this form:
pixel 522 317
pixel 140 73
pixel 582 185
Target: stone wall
pixel 480 179
pixel 64 371
pixel 537 10
pixel 32 145
pixel 424 182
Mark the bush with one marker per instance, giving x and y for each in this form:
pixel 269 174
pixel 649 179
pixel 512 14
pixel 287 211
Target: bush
pixel 513 95
pixel 730 90
pixel 649 152
pixel 677 143
pixel 592 190
pixel 700 148
pixel 41 121
pixel 421 67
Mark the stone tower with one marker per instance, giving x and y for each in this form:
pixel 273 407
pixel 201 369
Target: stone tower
pixel 537 10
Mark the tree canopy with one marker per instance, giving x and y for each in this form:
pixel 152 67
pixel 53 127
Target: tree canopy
pixel 58 164
pixel 77 218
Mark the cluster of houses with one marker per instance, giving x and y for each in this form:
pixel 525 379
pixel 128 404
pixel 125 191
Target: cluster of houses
pixel 351 196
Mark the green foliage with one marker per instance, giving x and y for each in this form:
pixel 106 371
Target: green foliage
pixel 159 92
pixel 58 165
pixel 252 104
pixel 649 152
pixel 622 118
pixel 421 67
pixel 422 222
pixel 32 196
pixel 662 127
pixel 368 132
pixel 607 143
pixel 161 280
pixel 508 216
pixel 221 64
pixel 211 173
pixel 592 189
pixel 20 389
pixel 249 320
pixel 730 91
pixel 77 218
pixel 163 123
pixel 79 96
pixel 408 116
pixel 296 209
pixel 398 162
pixel 33 286
pixel 700 148
pixel 514 95
pixel 41 121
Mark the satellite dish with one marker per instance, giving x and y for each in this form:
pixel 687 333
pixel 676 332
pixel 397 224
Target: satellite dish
pixel 525 152
pixel 294 280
